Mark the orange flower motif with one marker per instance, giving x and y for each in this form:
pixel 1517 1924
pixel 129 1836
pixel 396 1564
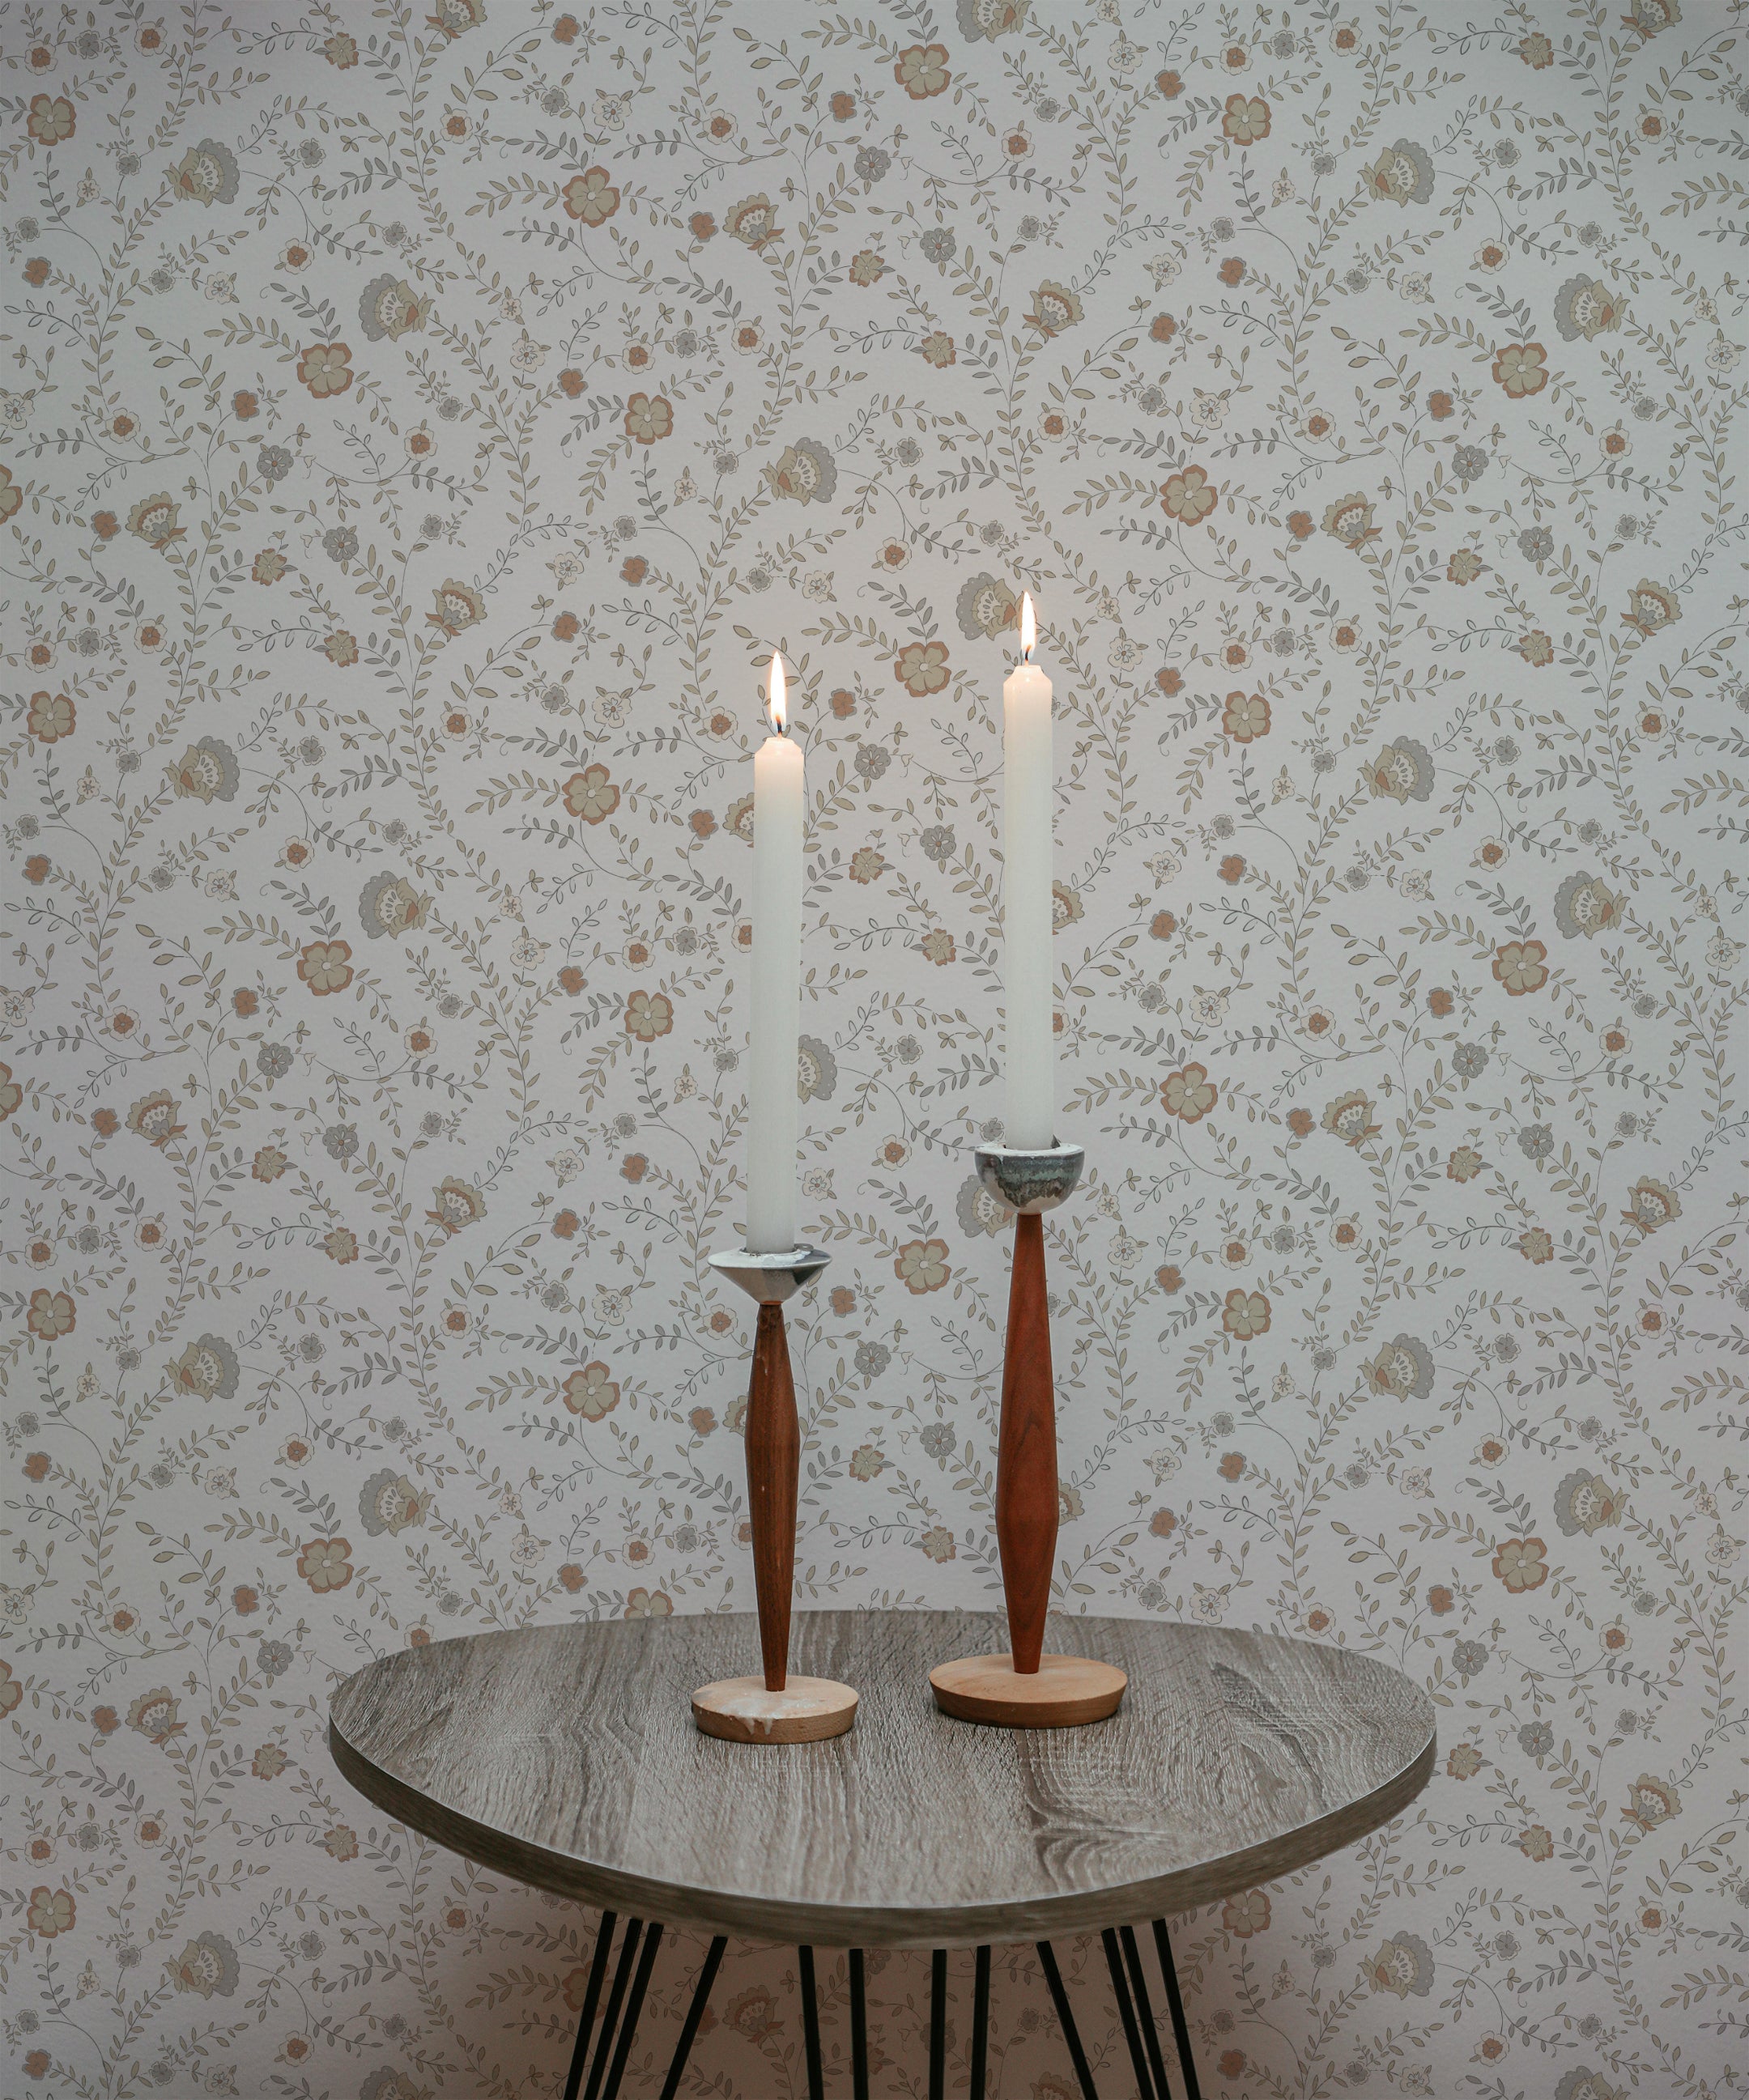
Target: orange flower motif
pixel 649 417
pixel 326 369
pixel 590 1392
pixel 922 1265
pixel 1245 717
pixel 591 794
pixel 1188 497
pixel 921 667
pixel 1519 1563
pixel 1245 1314
pixel 922 71
pixel 50 120
pixel 1520 369
pixel 50 1315
pixel 1246 119
pixel 649 1014
pixel 590 197
pixel 326 966
pixel 1189 1094
pixel 326 1563
pixel 1522 966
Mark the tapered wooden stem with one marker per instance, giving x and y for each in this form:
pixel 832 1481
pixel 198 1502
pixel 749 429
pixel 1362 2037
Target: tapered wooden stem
pixel 774 1454
pixel 1026 1472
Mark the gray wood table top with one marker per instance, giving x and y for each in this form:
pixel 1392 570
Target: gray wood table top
pixel 565 1757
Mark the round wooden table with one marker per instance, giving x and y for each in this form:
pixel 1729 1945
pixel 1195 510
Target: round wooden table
pixel 566 1757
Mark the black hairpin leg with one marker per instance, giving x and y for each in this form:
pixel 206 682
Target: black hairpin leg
pixel 695 2013
pixel 1065 2020
pixel 811 2026
pixel 1138 1983
pixel 938 2024
pixel 859 2026
pixel 980 2024
pixel 610 2018
pixel 591 1998
pixel 634 2007
pixel 1175 2005
pixel 1126 2012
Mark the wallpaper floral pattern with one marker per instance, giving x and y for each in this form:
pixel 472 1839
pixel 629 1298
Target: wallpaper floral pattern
pixel 417 428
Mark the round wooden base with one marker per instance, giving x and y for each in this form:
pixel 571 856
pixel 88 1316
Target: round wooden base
pixel 1065 1692
pixel 741 1710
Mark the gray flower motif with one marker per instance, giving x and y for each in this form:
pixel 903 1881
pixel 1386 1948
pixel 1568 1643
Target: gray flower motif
pixel 871 761
pixel 978 1211
pixel 206 174
pixel 1584 904
pixel 207 770
pixel 207 1966
pixel 1403 1966
pixel 273 1658
pixel 207 1368
pixel 938 246
pixel 985 606
pixel 872 1358
pixel 817 1069
pixel 340 1140
pixel 1536 1140
pixel 1584 308
pixel 1469 462
pixel 1468 1657
pixel 1469 1060
pixel 1536 542
pixel 390 904
pixel 389 1503
pixel 1585 1502
pixel 1402 174
pixel 938 842
pixel 871 163
pixel 806 473
pixel 1404 1367
pixel 985 20
pixel 390 307
pixel 938 1440
pixel 1536 1739
pixel 273 463
pixel 340 543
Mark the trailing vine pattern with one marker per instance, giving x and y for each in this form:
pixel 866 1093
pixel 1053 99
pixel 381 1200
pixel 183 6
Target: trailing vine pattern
pixel 417 430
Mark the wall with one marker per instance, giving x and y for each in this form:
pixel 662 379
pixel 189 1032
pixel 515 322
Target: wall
pixel 416 434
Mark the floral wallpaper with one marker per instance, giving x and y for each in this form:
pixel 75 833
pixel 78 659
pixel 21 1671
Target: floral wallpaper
pixel 418 424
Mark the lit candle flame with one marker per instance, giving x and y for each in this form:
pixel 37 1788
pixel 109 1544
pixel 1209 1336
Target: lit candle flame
pixel 778 705
pixel 1029 628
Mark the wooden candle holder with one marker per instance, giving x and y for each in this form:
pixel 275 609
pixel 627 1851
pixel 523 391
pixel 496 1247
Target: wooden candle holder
pixel 1026 1688
pixel 774 1707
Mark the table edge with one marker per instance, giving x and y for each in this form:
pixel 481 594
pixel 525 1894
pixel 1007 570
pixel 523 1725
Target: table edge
pixel 786 1922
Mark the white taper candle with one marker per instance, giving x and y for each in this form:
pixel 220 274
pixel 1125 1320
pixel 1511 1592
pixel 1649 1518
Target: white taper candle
pixel 774 1021
pixel 1029 797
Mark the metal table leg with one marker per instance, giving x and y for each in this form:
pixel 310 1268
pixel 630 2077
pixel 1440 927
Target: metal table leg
pixel 1138 1983
pixel 980 2024
pixel 859 2027
pixel 1065 2020
pixel 634 2007
pixel 676 2070
pixel 810 2025
pixel 591 1998
pixel 1126 2012
pixel 938 2024
pixel 1175 2003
